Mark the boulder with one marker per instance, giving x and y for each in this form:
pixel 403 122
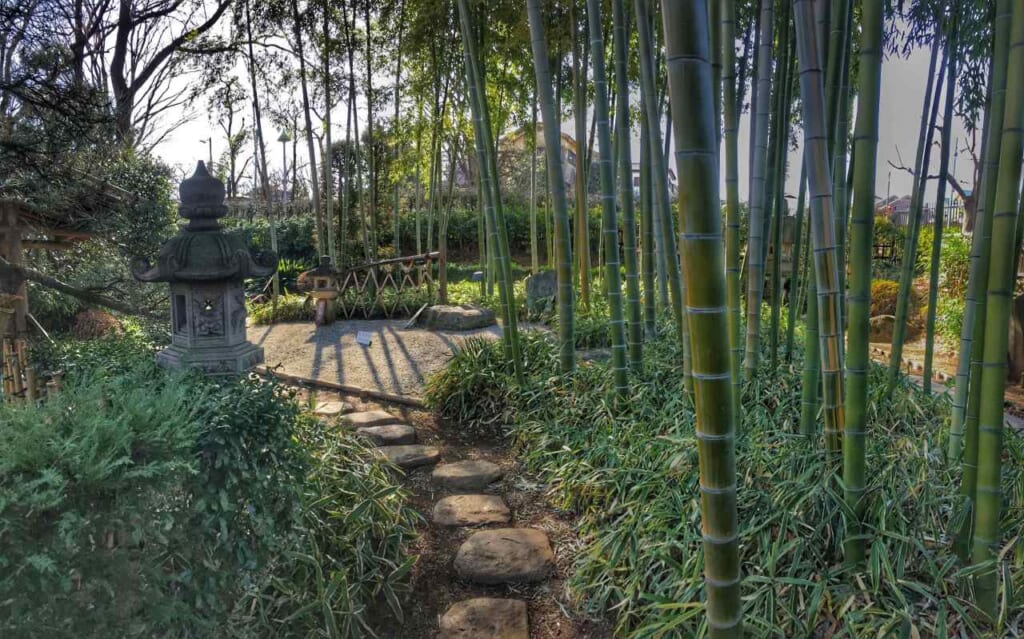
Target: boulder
pixel 456 318
pixel 882 327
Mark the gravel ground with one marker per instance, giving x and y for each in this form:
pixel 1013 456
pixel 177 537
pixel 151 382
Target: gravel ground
pixel 396 361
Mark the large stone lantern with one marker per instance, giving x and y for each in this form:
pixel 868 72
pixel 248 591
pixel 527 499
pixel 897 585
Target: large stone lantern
pixel 205 268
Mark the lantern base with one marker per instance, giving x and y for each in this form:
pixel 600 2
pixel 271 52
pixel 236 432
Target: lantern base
pixel 212 360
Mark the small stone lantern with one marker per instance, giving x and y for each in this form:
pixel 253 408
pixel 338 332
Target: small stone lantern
pixel 205 268
pixel 322 282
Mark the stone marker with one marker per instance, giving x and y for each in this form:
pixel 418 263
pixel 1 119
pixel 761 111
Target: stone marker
pixel 369 418
pixel 505 555
pixel 485 618
pixel 389 434
pixel 456 318
pixel 411 456
pixel 471 474
pixel 541 289
pixel 471 510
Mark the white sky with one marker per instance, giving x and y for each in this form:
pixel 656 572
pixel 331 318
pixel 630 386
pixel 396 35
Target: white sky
pixel 903 84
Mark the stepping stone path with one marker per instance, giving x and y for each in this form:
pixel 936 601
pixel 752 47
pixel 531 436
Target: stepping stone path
pixel 389 435
pixel 505 555
pixel 411 456
pixel 331 409
pixel 469 475
pixel 369 418
pixel 490 556
pixel 485 618
pixel 471 510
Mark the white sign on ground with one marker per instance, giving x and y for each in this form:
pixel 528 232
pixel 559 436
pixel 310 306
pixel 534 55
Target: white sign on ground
pixel 364 338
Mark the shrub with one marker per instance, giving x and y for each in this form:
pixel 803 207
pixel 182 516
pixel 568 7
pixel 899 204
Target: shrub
pixel 92 324
pixel 954 261
pixel 145 503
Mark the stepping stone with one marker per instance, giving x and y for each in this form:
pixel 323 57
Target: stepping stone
pixel 505 555
pixel 389 435
pixel 331 409
pixel 485 618
pixel 369 418
pixel 471 474
pixel 411 456
pixel 471 510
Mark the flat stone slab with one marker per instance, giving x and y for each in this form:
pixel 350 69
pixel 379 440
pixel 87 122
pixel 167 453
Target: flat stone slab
pixel 411 456
pixel 471 510
pixel 331 409
pixel 456 318
pixel 486 618
pixel 389 434
pixel 370 418
pixel 505 555
pixel 471 474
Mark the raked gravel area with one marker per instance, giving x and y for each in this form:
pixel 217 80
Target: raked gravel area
pixel 397 361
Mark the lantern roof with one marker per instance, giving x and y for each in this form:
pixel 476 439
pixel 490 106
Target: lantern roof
pixel 202 251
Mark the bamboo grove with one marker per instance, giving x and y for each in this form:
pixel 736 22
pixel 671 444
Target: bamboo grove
pixel 701 173
pixel 808 70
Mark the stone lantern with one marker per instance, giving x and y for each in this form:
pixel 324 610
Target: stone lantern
pixel 322 283
pixel 205 268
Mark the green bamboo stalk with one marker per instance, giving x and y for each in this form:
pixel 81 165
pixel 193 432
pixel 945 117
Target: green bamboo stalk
pixel 794 274
pixel 488 171
pixel 659 173
pixel 687 50
pixel 579 100
pixel 620 37
pixel 612 281
pixel 756 194
pixel 556 187
pixel 647 232
pixel 811 382
pixel 534 254
pixel 940 205
pixel 732 201
pixel 861 248
pixel 1001 280
pixel 781 154
pixel 978 272
pixel 838 103
pixel 819 182
pixel 914 217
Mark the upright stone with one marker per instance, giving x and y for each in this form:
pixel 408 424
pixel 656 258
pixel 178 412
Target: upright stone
pixel 205 268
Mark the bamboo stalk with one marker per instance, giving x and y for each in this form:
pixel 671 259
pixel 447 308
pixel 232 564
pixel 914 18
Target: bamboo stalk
pixel 690 78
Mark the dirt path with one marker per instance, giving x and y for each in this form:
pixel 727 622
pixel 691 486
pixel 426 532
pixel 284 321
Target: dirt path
pixel 396 361
pixel 500 569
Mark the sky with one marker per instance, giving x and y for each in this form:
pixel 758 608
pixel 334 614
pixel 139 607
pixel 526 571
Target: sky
pixel 903 86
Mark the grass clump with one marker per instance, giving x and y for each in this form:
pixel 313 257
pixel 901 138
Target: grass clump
pixel 630 475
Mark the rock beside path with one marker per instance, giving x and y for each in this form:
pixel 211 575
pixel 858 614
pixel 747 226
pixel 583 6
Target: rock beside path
pixel 471 510
pixel 389 434
pixel 468 475
pixel 456 318
pixel 505 555
pixel 411 456
pixel 369 418
pixel 485 618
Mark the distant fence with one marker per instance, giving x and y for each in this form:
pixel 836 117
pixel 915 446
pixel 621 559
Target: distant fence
pixel 953 215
